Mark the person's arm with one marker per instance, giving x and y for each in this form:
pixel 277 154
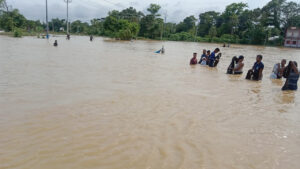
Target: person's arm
pixel 260 73
pixel 239 67
pixel 294 67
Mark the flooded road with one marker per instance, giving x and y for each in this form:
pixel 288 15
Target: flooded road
pixel 118 105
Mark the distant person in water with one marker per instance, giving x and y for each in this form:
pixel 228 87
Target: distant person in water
pixel 162 50
pixel 278 68
pixel 212 58
pixel 194 60
pixel 91 38
pixel 68 37
pixel 55 43
pixel 203 56
pixel 291 73
pixel 256 73
pixel 236 66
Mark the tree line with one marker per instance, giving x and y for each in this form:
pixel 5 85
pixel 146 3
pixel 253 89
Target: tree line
pixel 237 24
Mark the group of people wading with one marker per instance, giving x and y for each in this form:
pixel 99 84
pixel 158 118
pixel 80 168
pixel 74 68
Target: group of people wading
pixel 290 72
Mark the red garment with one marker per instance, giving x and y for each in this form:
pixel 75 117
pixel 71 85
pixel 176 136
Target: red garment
pixel 193 61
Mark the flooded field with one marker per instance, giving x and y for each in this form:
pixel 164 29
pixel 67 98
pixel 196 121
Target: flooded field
pixel 118 105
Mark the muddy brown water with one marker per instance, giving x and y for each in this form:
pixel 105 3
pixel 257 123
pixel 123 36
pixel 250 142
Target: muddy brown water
pixel 117 105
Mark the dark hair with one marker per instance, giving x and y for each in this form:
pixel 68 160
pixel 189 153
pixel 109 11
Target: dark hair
pixel 217 49
pixel 241 57
pixel 260 56
pixel 195 53
pixel 295 63
pixel 208 51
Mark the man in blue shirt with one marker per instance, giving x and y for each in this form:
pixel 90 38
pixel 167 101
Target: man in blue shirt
pixel 213 57
pixel 256 72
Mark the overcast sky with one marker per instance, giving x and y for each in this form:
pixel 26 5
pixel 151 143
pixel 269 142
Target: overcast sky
pixel 86 10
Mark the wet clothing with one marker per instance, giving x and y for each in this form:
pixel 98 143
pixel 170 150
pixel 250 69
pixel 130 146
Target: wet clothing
pixel 253 74
pixel 203 56
pixel 238 71
pixel 275 73
pixel 291 81
pixel 193 61
pixel 212 59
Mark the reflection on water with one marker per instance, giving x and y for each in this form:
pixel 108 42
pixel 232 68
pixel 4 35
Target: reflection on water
pixel 112 104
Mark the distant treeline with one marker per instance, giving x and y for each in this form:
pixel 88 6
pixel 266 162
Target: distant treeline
pixel 237 24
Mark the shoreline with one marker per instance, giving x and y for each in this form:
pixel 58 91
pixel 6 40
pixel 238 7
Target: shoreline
pixel 34 34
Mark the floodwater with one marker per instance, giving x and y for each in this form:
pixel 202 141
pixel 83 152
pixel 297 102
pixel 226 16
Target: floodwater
pixel 117 105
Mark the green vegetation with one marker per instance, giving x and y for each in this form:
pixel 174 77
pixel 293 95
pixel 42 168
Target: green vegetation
pixel 237 24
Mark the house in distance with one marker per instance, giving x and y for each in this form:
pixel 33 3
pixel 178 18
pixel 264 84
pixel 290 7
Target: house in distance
pixel 292 37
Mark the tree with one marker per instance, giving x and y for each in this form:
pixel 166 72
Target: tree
pixel 212 32
pixel 131 15
pixel 12 19
pixel 4 6
pixel 187 24
pixel 153 9
pixel 231 17
pixel 271 13
pixel 151 25
pixel 79 27
pixel 207 20
pixel 290 15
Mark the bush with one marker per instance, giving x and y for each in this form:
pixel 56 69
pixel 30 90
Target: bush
pixel 18 33
pixel 124 34
pixel 182 36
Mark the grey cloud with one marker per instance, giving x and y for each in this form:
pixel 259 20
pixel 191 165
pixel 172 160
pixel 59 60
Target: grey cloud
pixel 88 9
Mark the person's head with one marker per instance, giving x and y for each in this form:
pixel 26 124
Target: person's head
pixel 283 62
pixel 241 58
pixel 217 50
pixel 296 64
pixel 204 51
pixel 194 55
pixel 208 52
pixel 259 58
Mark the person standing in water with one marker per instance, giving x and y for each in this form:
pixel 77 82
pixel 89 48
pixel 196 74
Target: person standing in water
pixel 203 56
pixel 256 72
pixel 91 38
pixel 291 73
pixel 55 43
pixel 194 60
pixel 68 37
pixel 278 68
pixel 236 66
pixel 212 57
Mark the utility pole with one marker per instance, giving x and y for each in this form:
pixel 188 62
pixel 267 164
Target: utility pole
pixel 68 1
pixel 47 19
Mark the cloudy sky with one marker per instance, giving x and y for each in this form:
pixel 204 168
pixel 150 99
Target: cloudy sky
pixel 86 10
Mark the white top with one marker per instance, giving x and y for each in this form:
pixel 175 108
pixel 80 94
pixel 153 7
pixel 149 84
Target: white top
pixel 236 66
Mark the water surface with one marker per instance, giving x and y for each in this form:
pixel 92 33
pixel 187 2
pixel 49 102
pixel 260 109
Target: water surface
pixel 117 105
